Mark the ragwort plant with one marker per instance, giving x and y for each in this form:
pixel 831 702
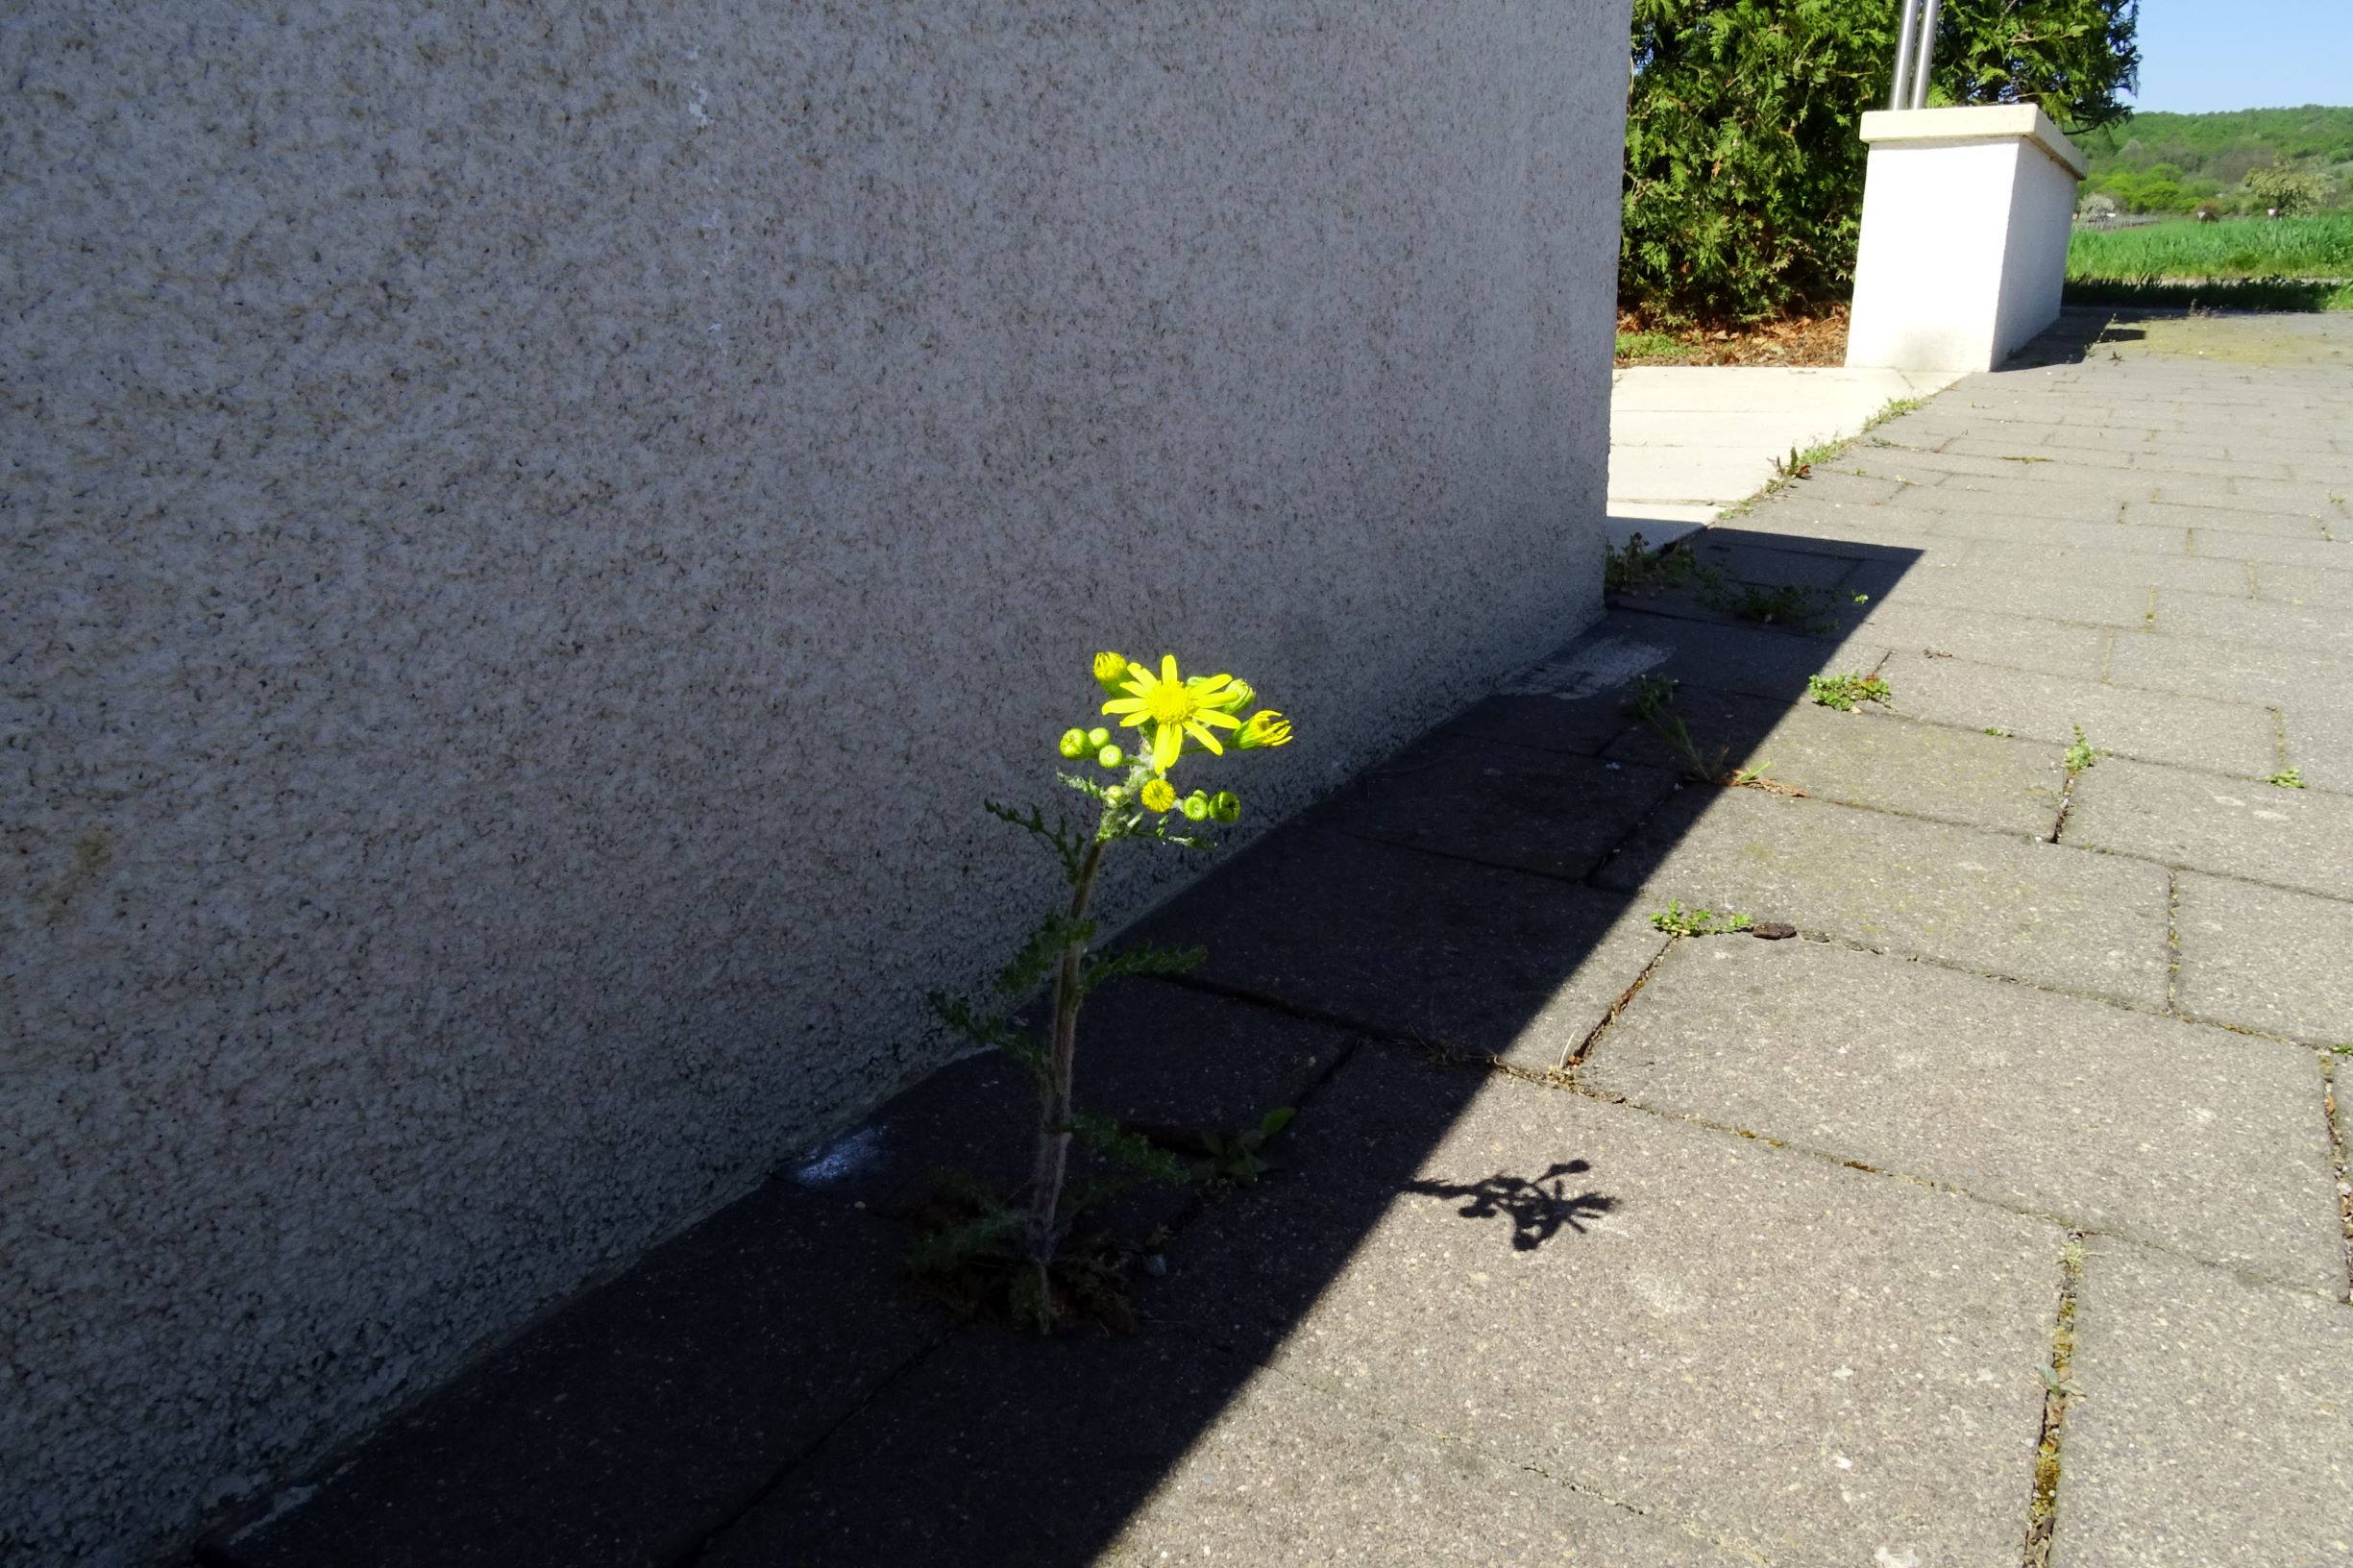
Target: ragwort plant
pixel 1176 718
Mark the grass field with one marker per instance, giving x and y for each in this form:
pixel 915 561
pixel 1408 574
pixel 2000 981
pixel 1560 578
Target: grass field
pixel 2298 248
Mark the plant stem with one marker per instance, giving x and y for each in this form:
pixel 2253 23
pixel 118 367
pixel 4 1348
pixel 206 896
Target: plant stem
pixel 1054 1124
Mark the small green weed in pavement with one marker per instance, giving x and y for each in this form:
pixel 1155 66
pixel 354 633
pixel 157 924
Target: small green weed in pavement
pixel 1677 922
pixel 1235 1158
pixel 2081 755
pixel 1997 729
pixel 1844 692
pixel 1635 568
pixel 1896 408
pixel 2287 779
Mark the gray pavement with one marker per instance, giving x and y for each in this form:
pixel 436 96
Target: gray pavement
pixel 1987 1207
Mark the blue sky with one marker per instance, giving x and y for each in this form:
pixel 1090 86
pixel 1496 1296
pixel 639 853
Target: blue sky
pixel 2202 55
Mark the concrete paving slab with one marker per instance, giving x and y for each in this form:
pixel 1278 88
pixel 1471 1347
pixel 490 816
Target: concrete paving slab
pixel 2300 839
pixel 2134 569
pixel 1919 769
pixel 2303 585
pixel 2308 627
pixel 2319 742
pixel 1579 726
pixel 1412 944
pixel 1814 1363
pixel 1500 804
pixel 2016 641
pixel 2187 1137
pixel 1289 1475
pixel 2203 519
pixel 2271 673
pixel 1955 586
pixel 2267 550
pixel 1745 555
pixel 1999 903
pixel 2154 726
pixel 2003 524
pixel 1630 641
pixel 1707 437
pixel 2210 1429
pixel 2263 959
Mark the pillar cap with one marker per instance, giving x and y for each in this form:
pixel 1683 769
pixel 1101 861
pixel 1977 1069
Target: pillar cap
pixel 1975 122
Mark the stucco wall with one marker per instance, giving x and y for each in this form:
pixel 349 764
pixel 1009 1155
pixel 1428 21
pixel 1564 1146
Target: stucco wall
pixel 529 529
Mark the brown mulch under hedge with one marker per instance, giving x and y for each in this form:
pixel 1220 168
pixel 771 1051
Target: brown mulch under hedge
pixel 1816 339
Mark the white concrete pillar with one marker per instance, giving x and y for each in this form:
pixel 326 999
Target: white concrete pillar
pixel 1966 214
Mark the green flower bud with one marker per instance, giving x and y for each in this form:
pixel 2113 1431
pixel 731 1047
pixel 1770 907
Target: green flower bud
pixel 1111 756
pixel 1226 806
pixel 1113 796
pixel 1196 807
pixel 1073 743
pixel 1098 738
pixel 1234 696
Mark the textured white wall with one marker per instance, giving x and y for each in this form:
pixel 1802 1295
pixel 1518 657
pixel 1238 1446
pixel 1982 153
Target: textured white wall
pixel 1963 252
pixel 529 529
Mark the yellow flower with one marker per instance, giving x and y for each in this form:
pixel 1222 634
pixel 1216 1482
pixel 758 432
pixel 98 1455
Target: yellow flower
pixel 1173 707
pixel 1157 795
pixel 1266 728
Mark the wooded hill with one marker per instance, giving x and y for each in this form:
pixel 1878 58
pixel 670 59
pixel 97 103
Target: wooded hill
pixel 2157 162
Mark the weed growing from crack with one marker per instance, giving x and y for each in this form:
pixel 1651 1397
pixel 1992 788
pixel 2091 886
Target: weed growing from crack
pixel 2080 756
pixel 1997 729
pixel 1635 568
pixel 1844 692
pixel 2287 779
pixel 1652 703
pixel 1677 922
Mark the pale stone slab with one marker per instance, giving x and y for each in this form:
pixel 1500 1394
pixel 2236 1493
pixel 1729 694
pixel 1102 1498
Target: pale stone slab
pixel 1290 1475
pixel 2292 838
pixel 2272 673
pixel 2176 1134
pixel 2213 1423
pixel 1815 1364
pixel 2051 562
pixel 2001 903
pixel 1991 637
pixel 2157 727
pixel 2264 959
pixel 2307 626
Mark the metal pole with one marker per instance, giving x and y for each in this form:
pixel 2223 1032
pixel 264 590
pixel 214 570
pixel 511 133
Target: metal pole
pixel 1901 90
pixel 1927 54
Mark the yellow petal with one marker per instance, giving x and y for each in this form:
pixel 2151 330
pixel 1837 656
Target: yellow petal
pixel 1124 705
pixel 1207 739
pixel 1166 744
pixel 1168 669
pixel 1220 717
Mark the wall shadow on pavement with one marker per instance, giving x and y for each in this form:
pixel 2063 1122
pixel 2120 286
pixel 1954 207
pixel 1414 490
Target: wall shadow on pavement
pixel 769 1390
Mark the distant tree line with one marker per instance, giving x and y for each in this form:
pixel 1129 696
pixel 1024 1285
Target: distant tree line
pixel 1744 167
pixel 2243 161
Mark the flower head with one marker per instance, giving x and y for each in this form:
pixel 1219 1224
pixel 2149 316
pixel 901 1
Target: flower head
pixel 1171 707
pixel 1074 742
pixel 1196 807
pixel 1226 806
pixel 1110 670
pixel 1266 728
pixel 1157 795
